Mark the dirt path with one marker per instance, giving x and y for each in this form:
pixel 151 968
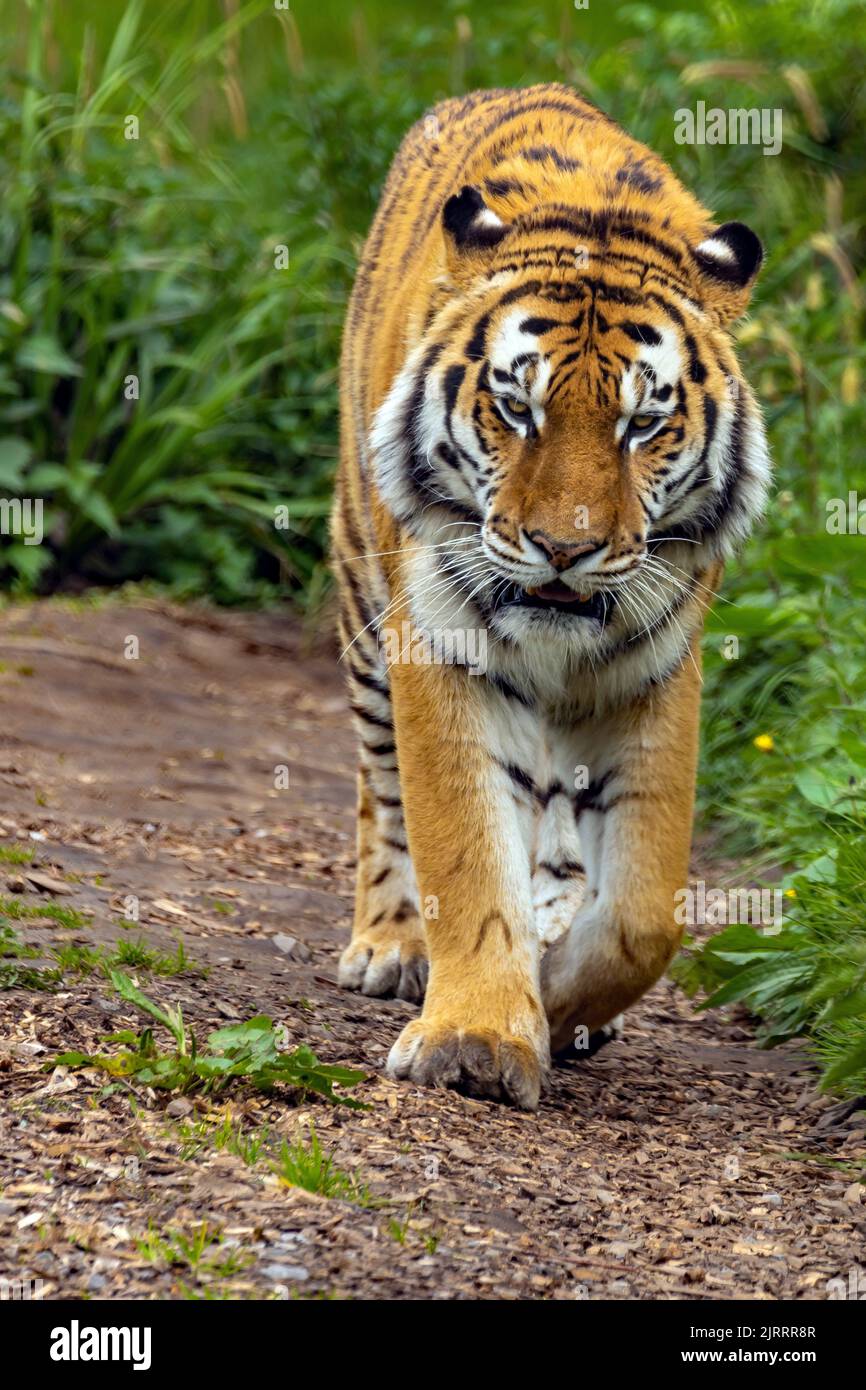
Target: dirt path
pixel 656 1169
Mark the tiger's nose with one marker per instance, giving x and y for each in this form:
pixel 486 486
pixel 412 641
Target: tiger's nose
pixel 563 554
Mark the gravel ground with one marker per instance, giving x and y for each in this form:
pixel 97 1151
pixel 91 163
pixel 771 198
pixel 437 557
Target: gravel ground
pixel 679 1163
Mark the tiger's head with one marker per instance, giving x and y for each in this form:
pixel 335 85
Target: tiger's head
pixel 572 436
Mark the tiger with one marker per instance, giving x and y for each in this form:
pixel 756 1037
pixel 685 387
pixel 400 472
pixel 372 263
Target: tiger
pixel 548 453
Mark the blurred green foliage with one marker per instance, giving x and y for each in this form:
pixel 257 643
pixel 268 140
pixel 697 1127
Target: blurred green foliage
pixel 258 129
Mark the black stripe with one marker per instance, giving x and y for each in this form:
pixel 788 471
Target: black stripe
pixel 588 798
pixel 540 325
pixel 421 469
pixel 642 333
pixel 697 476
pixel 563 380
pixel 475 348
pixel 510 691
pixel 725 502
pixel 502 188
pixel 360 598
pixel 602 227
pixel 454 376
pixel 697 370
pixel 555 789
pixel 539 153
pixel 567 869
pixel 520 778
pixel 371 718
pixel 371 682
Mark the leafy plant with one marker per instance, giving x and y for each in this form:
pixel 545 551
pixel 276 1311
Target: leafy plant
pixel 152 351
pixel 808 978
pixel 248 1051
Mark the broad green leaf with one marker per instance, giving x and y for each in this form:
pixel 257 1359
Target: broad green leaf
pixel 14 453
pixel 44 354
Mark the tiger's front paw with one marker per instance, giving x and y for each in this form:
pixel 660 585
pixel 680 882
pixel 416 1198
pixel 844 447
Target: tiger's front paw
pixel 479 1062
pixel 387 963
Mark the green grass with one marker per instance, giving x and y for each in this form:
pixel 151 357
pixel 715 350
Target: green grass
pixel 19 911
pixel 230 1136
pixel 301 1162
pixel 81 960
pixel 201 1250
pixel 76 960
pixel 12 946
pixel 148 259
pixel 136 955
pixel 304 1163
pixel 399 1230
pixel 14 974
pixel 16 854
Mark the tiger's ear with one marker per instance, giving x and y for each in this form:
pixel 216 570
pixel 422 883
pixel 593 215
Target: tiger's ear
pixel 471 230
pixel 728 261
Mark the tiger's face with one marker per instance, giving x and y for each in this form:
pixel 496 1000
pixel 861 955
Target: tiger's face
pixel 573 435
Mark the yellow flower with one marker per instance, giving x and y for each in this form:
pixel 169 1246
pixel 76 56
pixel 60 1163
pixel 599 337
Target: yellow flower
pixel 764 742
pixel 790 892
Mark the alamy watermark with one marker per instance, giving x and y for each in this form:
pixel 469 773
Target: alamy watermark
pixel 77 1343
pixel 443 646
pixel 22 516
pixel 854 1288
pixel 20 1290
pixel 721 907
pixel 737 126
pixel 846 516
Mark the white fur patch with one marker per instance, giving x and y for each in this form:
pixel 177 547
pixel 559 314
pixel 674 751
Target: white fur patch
pixel 717 250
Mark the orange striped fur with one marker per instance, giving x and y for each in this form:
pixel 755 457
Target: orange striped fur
pixel 548 453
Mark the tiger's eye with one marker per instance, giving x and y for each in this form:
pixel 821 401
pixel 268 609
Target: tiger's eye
pixel 643 422
pixel 517 407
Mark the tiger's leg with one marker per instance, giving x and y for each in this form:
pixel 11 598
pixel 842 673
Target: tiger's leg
pixel 558 880
pixel 635 820
pixel 483 1028
pixel 559 889
pixel 388 952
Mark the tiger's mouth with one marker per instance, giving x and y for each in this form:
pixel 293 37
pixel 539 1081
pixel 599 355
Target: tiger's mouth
pixel 557 597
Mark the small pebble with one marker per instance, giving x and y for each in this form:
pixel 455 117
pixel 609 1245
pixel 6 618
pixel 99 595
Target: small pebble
pixel 280 1272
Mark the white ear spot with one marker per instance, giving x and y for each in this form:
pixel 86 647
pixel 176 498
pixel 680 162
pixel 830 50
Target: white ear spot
pixel 732 253
pixel 470 223
pixel 487 218
pixel 717 250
